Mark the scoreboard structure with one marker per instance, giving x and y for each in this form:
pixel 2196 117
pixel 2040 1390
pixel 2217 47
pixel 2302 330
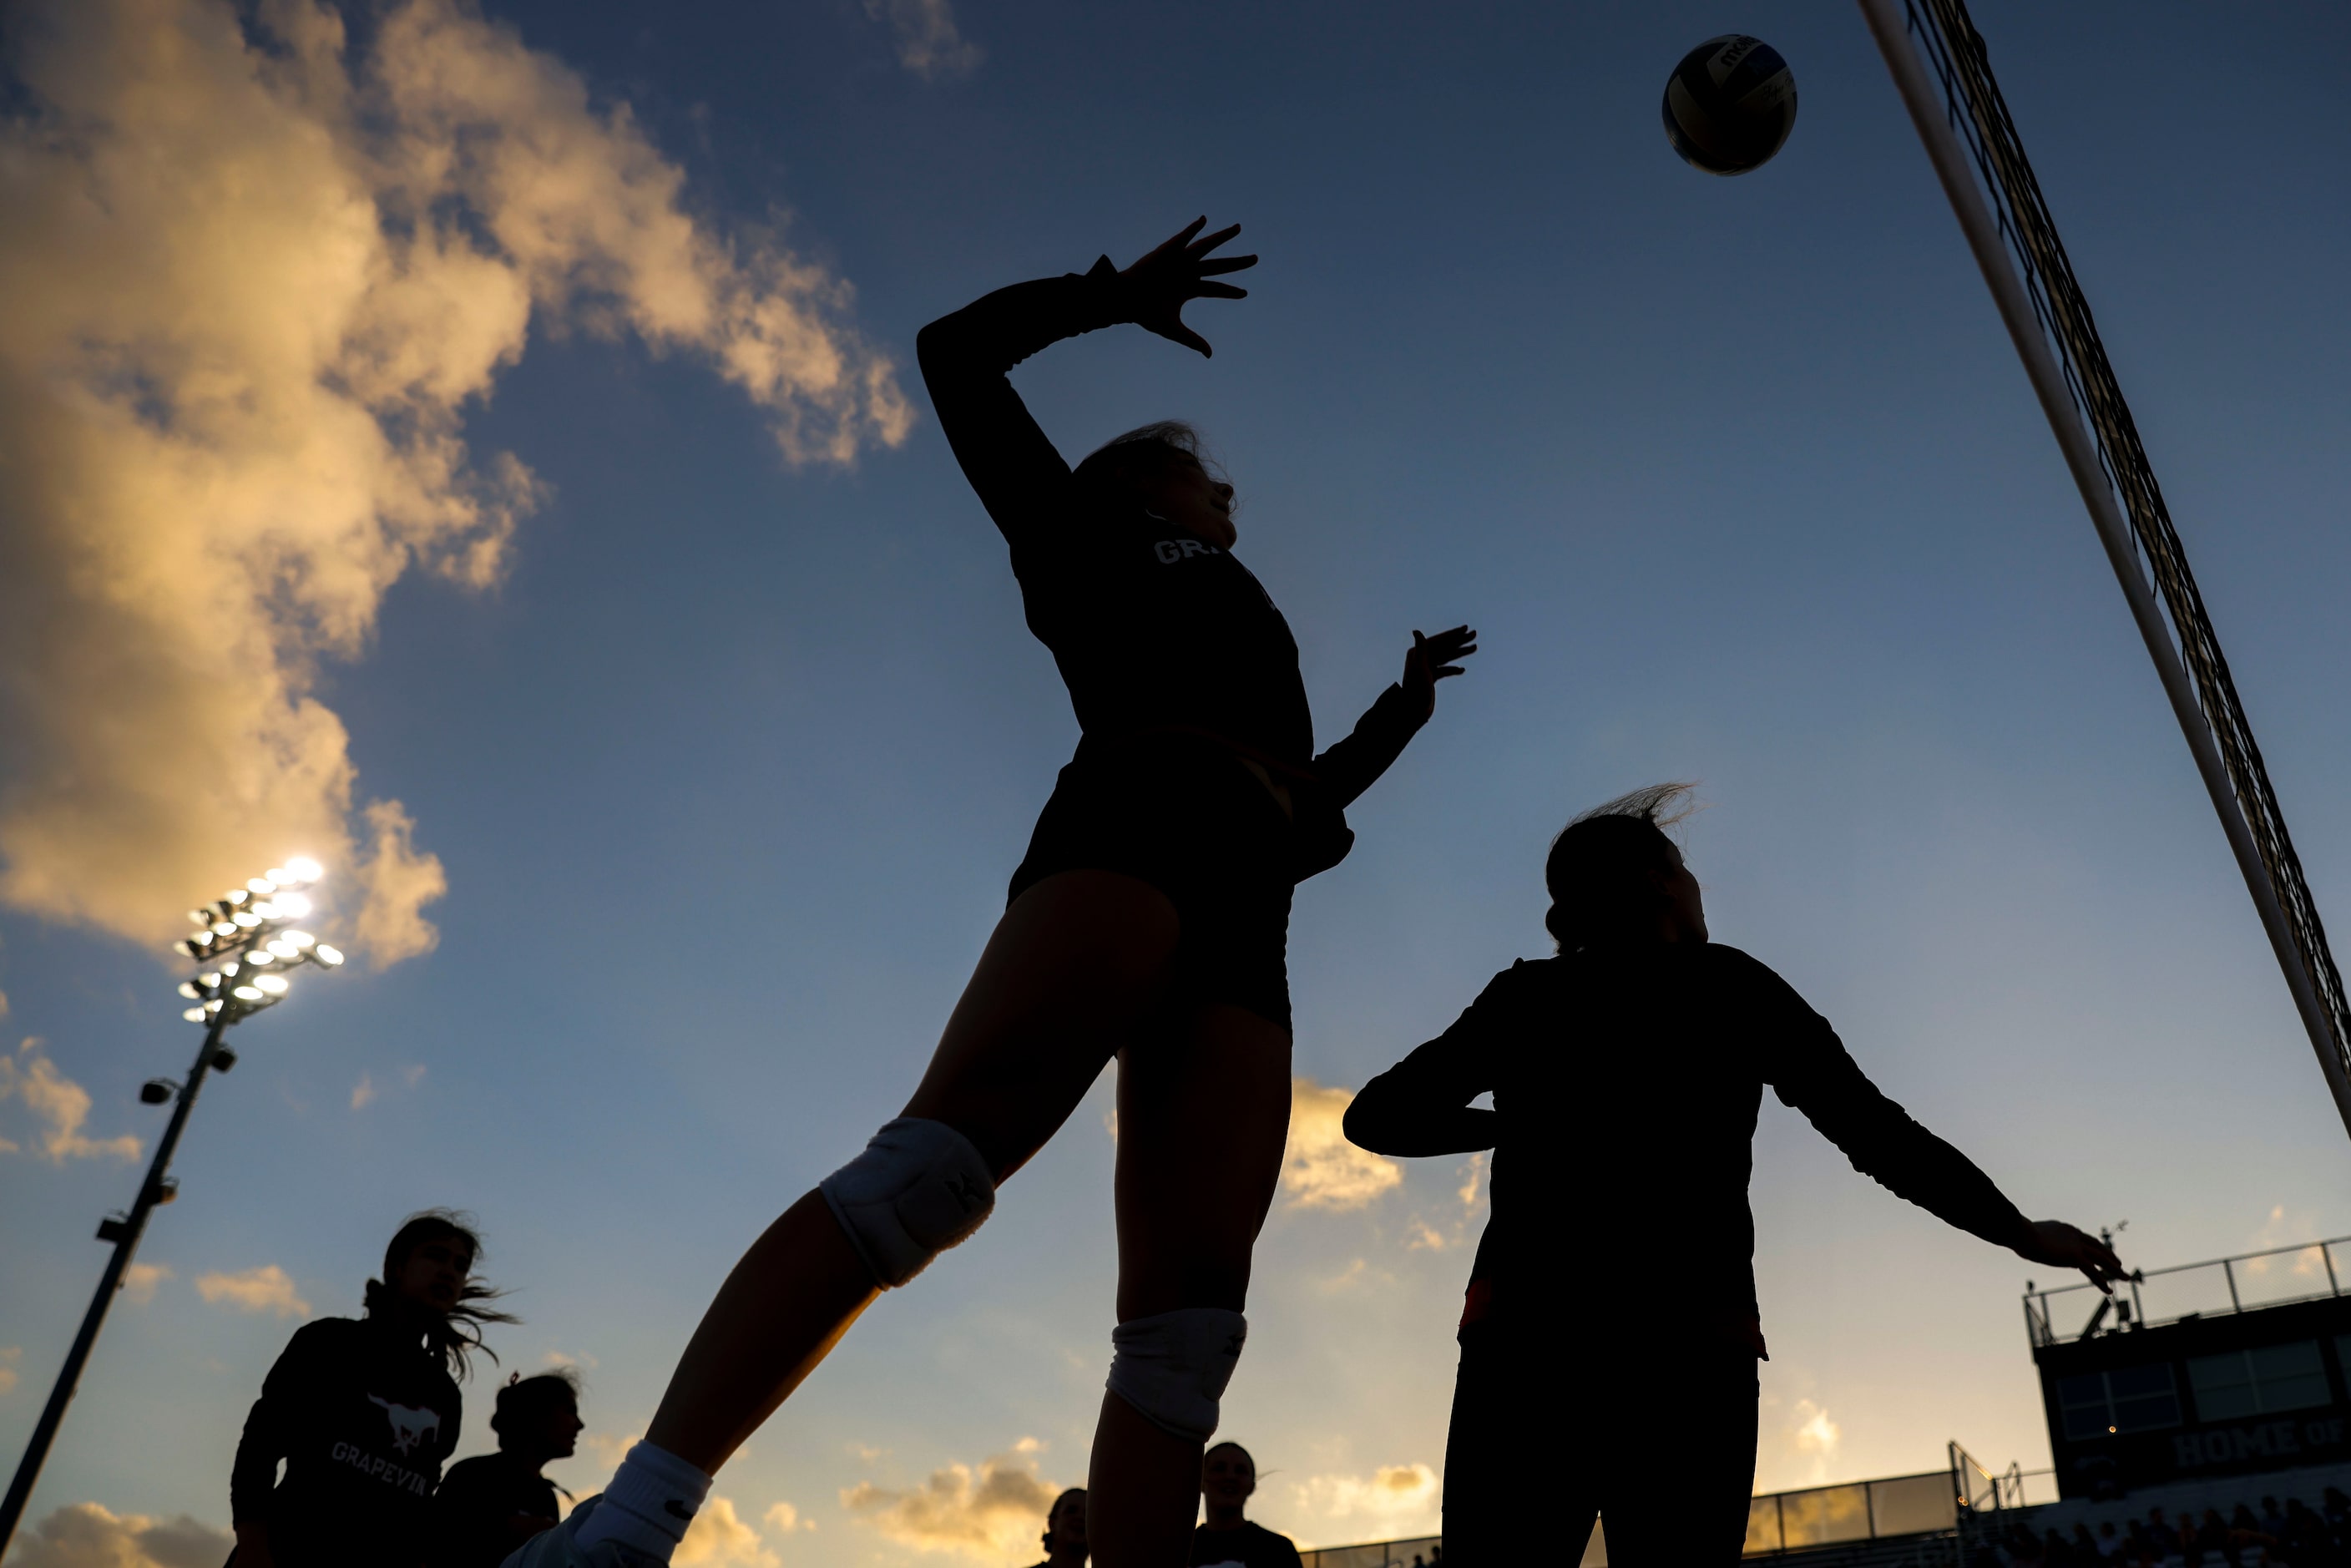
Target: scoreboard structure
pixel 2232 1367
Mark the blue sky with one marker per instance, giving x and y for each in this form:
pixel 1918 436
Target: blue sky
pixel 727 760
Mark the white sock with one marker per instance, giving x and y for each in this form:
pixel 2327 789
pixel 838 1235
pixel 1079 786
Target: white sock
pixel 654 1497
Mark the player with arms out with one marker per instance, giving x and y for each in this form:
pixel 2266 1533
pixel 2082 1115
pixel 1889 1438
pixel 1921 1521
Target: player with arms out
pixel 1147 923
pixel 1626 1075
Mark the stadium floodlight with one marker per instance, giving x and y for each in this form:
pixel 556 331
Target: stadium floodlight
pixel 248 948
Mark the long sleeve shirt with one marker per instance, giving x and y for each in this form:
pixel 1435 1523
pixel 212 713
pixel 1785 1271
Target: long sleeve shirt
pixel 363 1416
pixel 1153 630
pixel 1627 1083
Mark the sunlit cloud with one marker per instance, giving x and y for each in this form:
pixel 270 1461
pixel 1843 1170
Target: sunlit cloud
pixel 1321 1169
pixel 88 1535
pixel 1811 1434
pixel 783 1519
pixel 259 273
pixel 363 1091
pixel 138 1282
pixel 267 1289
pixel 992 1512
pixel 59 1104
pixel 11 1355
pixel 718 1539
pixel 1391 1503
pixel 929 43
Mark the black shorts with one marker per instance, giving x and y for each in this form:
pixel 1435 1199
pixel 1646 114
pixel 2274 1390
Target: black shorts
pixel 1190 819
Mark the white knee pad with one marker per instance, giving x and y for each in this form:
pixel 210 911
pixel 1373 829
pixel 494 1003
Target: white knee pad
pixel 918 1188
pixel 1173 1368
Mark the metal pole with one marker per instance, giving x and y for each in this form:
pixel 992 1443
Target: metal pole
pixel 1975 221
pixel 126 1243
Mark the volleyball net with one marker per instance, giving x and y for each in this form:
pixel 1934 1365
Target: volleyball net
pixel 1941 65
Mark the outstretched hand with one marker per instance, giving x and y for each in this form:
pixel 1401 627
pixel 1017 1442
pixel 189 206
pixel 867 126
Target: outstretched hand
pixel 1159 286
pixel 2058 1244
pixel 1433 659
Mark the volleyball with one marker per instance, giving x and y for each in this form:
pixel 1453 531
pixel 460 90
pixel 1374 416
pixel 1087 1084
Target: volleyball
pixel 1730 104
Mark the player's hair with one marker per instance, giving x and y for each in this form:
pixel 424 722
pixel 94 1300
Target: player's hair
pixel 525 1399
pixel 1078 1492
pixel 1114 465
pixel 1598 869
pixel 457 1333
pixel 1236 1448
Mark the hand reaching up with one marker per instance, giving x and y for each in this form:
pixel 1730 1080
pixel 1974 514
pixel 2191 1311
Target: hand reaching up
pixel 1160 285
pixel 1433 659
pixel 2058 1244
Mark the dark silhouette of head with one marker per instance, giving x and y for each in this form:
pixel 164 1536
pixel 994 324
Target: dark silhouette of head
pixel 429 1285
pixel 1167 468
pixel 539 1418
pixel 1227 1477
pixel 1065 1525
pixel 1615 876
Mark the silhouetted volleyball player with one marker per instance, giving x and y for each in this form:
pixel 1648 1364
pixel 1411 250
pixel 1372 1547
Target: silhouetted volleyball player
pixel 1065 1531
pixel 1148 921
pixel 492 1503
pixel 363 1412
pixel 1228 1537
pixel 1612 1306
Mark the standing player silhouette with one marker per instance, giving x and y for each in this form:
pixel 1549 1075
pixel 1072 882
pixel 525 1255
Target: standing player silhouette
pixel 1626 1074
pixel 1148 921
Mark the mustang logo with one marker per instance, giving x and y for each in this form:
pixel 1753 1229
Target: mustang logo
pixel 410 1426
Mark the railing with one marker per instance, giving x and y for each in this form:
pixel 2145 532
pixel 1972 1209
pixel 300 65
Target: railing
pixel 1858 1510
pixel 2308 1272
pixel 1417 1552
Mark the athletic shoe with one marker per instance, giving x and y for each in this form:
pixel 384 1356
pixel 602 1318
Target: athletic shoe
pixel 556 1548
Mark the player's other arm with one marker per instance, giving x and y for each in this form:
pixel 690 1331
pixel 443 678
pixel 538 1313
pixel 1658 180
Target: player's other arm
pixel 269 1431
pixel 1421 1106
pixel 1387 726
pixel 1810 1070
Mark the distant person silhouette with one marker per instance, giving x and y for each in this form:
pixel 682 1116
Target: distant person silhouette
pixel 1612 1306
pixel 1228 1539
pixel 364 1411
pixel 1147 923
pixel 1065 1531
pixel 492 1503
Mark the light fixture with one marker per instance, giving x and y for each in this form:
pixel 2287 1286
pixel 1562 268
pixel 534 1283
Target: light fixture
pixel 261 885
pixel 209 981
pixel 329 956
pixel 293 905
pixel 282 949
pixel 224 927
pixel 267 910
pixel 298 940
pixel 247 918
pixel 260 956
pixel 211 1008
pixel 304 869
pixel 199 917
pixel 188 989
pixel 229 968
pixel 235 895
pixel 196 1015
pixel 247 993
pixel 275 985
pixel 156 1091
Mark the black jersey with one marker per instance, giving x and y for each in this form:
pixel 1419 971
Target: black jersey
pixel 1626 1082
pixel 1250 1546
pixel 363 1415
pixel 477 1511
pixel 1154 631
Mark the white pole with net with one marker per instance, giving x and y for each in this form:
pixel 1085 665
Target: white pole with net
pixel 2050 323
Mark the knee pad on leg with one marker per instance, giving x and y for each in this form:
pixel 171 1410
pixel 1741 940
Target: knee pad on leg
pixel 917 1189
pixel 1172 1367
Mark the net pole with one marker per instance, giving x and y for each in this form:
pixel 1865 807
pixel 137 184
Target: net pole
pixel 1982 231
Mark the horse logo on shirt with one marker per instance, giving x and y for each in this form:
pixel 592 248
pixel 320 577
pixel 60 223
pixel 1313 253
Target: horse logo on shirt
pixel 410 1426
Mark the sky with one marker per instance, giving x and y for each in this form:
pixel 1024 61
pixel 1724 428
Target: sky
pixel 480 447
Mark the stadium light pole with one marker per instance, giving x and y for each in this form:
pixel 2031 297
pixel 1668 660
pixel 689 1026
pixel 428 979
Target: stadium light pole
pixel 246 941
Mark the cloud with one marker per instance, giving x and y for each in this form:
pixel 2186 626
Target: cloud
pixel 928 43
pixel 10 1355
pixel 992 1513
pixel 258 276
pixel 1321 1169
pixel 1393 1503
pixel 138 1282
pixel 61 1104
pixel 1810 1432
pixel 412 1075
pixel 363 1091
pixel 718 1539
pixel 267 1289
pixel 87 1535
pixel 783 1519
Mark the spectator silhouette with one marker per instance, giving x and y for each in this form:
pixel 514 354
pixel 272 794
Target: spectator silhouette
pixel 1228 1540
pixel 364 1411
pixel 1065 1531
pixel 1626 1074
pixel 492 1503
